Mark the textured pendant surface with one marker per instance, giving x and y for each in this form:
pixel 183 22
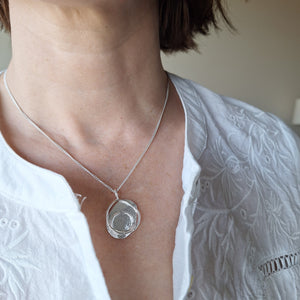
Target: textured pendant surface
pixel 122 218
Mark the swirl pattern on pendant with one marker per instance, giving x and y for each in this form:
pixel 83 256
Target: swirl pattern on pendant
pixel 122 218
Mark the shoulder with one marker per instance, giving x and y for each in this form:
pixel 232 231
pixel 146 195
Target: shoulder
pixel 242 133
pixel 241 124
pixel 250 168
pixel 228 127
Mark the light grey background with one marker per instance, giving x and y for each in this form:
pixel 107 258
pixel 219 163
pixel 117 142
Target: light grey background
pixel 259 65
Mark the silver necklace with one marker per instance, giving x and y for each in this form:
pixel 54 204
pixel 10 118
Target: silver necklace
pixel 122 215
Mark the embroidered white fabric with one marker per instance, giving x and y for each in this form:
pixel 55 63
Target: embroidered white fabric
pixel 238 233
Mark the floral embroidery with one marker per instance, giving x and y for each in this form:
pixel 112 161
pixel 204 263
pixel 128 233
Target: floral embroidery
pixel 238 117
pixel 242 199
pixel 275 218
pixel 13 260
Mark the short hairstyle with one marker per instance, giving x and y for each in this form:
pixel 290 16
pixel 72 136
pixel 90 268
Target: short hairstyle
pixel 179 22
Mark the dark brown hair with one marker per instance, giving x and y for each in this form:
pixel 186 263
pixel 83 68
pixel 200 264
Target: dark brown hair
pixel 180 21
pixel 4 16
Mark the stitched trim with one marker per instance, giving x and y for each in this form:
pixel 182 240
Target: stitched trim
pixel 280 263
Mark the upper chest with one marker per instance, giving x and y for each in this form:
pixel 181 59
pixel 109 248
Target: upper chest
pixel 139 266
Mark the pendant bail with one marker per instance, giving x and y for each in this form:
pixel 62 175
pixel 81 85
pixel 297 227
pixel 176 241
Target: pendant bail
pixel 116 194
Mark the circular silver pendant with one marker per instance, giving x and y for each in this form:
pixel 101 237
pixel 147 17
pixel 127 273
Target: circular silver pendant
pixel 122 218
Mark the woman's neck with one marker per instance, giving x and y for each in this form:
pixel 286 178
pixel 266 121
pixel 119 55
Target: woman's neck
pixel 92 72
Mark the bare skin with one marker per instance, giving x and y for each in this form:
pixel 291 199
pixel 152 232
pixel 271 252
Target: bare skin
pixel 139 267
pixel 91 76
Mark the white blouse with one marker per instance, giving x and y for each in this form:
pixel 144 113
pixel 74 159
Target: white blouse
pixel 238 233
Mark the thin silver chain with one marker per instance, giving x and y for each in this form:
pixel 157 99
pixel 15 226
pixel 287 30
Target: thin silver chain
pixel 115 191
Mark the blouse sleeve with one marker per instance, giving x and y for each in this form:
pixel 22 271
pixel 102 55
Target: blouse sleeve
pixel 280 269
pixel 246 238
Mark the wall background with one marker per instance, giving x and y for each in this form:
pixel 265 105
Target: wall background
pixel 260 64
pixel 5 50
